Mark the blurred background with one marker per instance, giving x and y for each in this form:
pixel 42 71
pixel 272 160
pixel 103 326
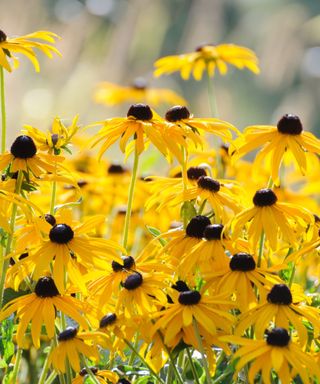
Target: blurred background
pixel 119 40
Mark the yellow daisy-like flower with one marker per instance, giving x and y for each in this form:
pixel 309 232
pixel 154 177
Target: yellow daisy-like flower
pixel 102 375
pixel 209 312
pixel 40 308
pixel 240 277
pixel 139 92
pixel 71 345
pixel 282 307
pixel 277 353
pixel 23 156
pixel 26 45
pixel 272 218
pixel 57 138
pixel 208 57
pixel 288 135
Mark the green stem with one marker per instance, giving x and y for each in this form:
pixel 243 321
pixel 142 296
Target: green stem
pixel 130 199
pixel 5 263
pixel 136 344
pixel 193 368
pixel 201 349
pixel 46 365
pixel 89 372
pixel 293 271
pixel 220 378
pixel 261 247
pixel 3 112
pixel 185 181
pixel 51 378
pixel 53 197
pixel 133 349
pixel 212 97
pixel 16 366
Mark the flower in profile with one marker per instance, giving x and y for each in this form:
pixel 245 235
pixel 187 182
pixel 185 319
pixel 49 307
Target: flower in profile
pixel 287 136
pixel 26 45
pixel 283 307
pixel 273 218
pixel 24 156
pixel 40 308
pixel 103 376
pixel 58 138
pixel 208 57
pixel 139 92
pixel 71 345
pixel 276 353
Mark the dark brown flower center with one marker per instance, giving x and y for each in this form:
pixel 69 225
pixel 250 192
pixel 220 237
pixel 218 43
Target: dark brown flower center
pixel 140 112
pixel 23 147
pixel 242 262
pixel 290 125
pixel 140 83
pixel 180 286
pixel 206 182
pixel 128 263
pixel 123 381
pixel 264 197
pixel 68 334
pixel 50 219
pixel 189 297
pixel 116 169
pixel 213 232
pixel 177 113
pixel 133 281
pixel 196 226
pixel 3 36
pixel 194 173
pixel 108 319
pixel 84 371
pixel 46 287
pixel 278 337
pixel 280 294
pixel 61 233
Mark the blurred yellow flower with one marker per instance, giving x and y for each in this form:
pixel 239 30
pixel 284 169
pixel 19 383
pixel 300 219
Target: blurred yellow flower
pixel 25 45
pixel 113 94
pixel 208 57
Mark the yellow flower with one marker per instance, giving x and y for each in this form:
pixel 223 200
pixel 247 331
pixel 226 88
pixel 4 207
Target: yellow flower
pixel 273 218
pixel 288 135
pixel 71 346
pixel 208 57
pixel 26 45
pixel 102 375
pixel 113 94
pixel 40 308
pixel 57 138
pixel 277 353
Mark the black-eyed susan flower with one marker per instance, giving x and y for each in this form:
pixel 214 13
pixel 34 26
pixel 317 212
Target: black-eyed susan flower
pixel 287 136
pixel 24 156
pixel 210 312
pixel 103 376
pixel 139 92
pixel 274 218
pixel 26 45
pixel 282 307
pixel 71 345
pixel 240 278
pixel 58 138
pixel 40 308
pixel 276 353
pixel 208 57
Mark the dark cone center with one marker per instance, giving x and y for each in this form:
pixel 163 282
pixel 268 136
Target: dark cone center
pixel 133 281
pixel 3 36
pixel 108 319
pixel 213 232
pixel 23 147
pixel 196 226
pixel 290 125
pixel 264 198
pixel 242 262
pixel 46 287
pixel 116 169
pixel 61 233
pixel 189 297
pixel 278 337
pixel 140 112
pixel 180 286
pixel 280 294
pixel 50 219
pixel 68 334
pixel 140 83
pixel 177 113
pixel 128 262
pixel 194 173
pixel 84 371
pixel 123 381
pixel 206 182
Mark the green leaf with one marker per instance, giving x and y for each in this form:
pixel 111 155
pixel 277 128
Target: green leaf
pixel 155 233
pixel 10 294
pixel 188 211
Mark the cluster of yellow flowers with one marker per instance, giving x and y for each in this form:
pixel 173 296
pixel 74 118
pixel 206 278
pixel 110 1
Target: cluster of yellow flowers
pixel 142 274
